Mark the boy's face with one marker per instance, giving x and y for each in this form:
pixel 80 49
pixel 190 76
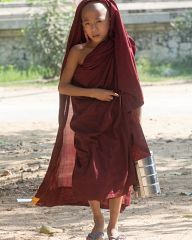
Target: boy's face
pixel 95 21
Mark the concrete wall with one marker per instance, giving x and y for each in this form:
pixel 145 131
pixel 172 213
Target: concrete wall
pixel 13 49
pixel 148 23
pixel 160 43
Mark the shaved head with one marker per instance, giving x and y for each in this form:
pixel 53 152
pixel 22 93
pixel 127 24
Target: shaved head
pixel 95 6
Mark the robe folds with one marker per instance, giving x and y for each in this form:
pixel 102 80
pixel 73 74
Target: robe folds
pixel 97 142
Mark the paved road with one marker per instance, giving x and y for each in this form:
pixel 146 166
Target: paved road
pixel 166 106
pixel 42 104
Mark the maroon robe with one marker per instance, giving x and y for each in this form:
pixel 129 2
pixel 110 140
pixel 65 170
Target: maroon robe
pixel 98 142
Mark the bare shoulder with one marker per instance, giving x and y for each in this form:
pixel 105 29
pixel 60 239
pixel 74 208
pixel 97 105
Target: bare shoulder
pixel 76 52
pixel 82 50
pixel 79 47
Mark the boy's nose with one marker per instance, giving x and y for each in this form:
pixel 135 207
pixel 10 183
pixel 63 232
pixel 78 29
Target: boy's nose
pixel 93 27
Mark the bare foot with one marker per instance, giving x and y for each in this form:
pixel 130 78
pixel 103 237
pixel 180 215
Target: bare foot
pixel 112 232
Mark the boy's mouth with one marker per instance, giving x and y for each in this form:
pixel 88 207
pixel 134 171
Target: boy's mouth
pixel 94 36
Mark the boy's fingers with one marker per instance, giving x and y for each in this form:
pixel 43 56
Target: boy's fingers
pixel 116 94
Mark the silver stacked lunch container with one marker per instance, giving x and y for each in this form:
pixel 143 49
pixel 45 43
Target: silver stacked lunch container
pixel 147 176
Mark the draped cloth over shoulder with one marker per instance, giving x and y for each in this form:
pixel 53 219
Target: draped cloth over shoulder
pixel 97 142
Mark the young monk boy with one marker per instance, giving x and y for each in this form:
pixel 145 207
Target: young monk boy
pixel 94 164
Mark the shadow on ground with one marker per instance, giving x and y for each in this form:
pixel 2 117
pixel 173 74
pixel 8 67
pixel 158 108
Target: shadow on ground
pixel 26 154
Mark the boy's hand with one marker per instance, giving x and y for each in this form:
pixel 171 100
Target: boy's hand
pixel 103 94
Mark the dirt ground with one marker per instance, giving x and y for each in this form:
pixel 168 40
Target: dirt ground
pixel 28 125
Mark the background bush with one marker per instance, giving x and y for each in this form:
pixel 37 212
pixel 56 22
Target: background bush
pixel 46 36
pixel 183 27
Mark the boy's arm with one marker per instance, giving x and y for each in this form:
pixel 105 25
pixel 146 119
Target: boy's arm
pixel 65 86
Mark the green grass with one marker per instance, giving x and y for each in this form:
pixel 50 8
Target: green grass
pixel 11 76
pixel 6 1
pixel 148 72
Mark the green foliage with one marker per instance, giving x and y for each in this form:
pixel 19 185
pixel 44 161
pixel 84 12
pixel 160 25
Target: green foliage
pixel 46 36
pixel 183 25
pixel 155 72
pixel 148 72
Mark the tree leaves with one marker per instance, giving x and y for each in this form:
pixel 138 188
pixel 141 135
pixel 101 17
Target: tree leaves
pixel 46 36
